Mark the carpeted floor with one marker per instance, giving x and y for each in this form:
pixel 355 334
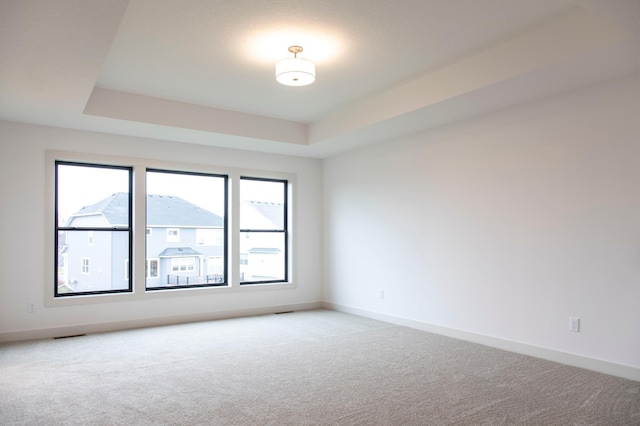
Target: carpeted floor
pixel 305 368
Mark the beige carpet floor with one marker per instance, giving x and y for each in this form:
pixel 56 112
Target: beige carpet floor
pixel 315 367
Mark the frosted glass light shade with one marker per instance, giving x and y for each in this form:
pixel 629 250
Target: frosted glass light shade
pixel 295 72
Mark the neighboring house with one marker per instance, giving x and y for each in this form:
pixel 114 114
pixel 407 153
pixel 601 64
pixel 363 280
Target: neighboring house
pixel 262 253
pixel 185 245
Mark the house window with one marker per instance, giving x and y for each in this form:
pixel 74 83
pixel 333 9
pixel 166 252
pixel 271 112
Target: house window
pixel 91 212
pixel 173 235
pixel 192 206
pixel 263 230
pixel 151 269
pixel 92 220
pixel 183 264
pixel 84 265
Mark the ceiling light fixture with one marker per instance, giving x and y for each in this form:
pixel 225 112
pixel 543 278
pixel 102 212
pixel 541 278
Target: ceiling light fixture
pixel 295 71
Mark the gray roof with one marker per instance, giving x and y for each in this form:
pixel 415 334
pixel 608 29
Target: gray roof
pixel 172 210
pixel 114 208
pixel 179 251
pixel 273 212
pixel 162 210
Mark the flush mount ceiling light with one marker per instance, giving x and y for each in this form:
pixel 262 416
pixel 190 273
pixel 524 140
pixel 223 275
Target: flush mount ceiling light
pixel 295 71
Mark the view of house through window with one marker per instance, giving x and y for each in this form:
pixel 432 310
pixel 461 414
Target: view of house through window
pixel 93 228
pixel 263 230
pixel 185 232
pixel 186 229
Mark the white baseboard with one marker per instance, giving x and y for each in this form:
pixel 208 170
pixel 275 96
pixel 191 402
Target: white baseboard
pixel 75 330
pixel 619 370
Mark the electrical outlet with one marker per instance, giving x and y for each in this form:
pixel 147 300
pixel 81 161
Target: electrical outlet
pixel 574 324
pixel 381 293
pixel 31 307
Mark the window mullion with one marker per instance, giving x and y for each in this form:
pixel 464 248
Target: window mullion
pixel 139 229
pixel 132 263
pixel 234 230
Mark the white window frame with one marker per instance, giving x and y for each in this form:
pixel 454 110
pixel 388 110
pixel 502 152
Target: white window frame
pixel 85 266
pixel 183 264
pixel 148 268
pixel 173 235
pixel 140 166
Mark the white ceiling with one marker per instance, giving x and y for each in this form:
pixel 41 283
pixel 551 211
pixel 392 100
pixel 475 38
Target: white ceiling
pixel 202 71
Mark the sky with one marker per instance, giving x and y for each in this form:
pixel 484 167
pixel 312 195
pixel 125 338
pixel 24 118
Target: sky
pixel 82 186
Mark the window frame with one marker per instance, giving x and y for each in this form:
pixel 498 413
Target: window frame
pixel 183 264
pixel 137 267
pixel 85 266
pixel 284 231
pixel 173 235
pixel 194 264
pixel 89 229
pixel 148 268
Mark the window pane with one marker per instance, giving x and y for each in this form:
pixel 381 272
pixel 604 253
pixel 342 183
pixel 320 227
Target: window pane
pixel 83 191
pixel 97 198
pixel 186 213
pixel 98 267
pixel 262 256
pixel 262 204
pixel 263 230
pixel 152 268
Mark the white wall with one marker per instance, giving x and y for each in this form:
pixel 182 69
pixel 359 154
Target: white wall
pixel 502 226
pixel 22 225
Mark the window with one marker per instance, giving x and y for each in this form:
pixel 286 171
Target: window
pixel 183 264
pixel 173 235
pixel 193 208
pixel 181 215
pixel 84 265
pixel 263 230
pixel 151 269
pixel 93 228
